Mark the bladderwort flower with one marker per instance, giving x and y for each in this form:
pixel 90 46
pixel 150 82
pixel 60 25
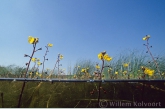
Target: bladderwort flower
pixel 50 45
pixel 83 70
pixel 34 59
pixel 125 64
pixel 146 37
pixel 61 56
pixel 37 73
pixel 151 72
pixel 97 66
pixel 39 63
pixel 104 56
pixel 116 73
pixel 107 57
pixel 147 71
pixel 100 56
pixel 32 40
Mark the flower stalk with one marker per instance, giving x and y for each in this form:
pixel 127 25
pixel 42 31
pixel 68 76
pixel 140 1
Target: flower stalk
pixel 148 51
pixel 102 56
pixel 33 41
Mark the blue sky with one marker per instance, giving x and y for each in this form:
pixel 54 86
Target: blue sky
pixel 78 29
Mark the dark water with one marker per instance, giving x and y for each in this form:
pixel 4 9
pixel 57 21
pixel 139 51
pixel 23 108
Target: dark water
pixel 82 94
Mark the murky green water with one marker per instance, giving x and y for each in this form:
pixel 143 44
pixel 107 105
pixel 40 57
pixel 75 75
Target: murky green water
pixel 82 94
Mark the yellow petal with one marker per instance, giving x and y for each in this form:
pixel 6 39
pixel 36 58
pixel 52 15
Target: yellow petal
pixel 34 59
pixel 144 38
pixel 100 56
pixel 125 65
pixel 31 39
pixel 61 56
pixel 36 73
pixel 98 67
pixel 107 57
pixel 50 45
pixel 39 63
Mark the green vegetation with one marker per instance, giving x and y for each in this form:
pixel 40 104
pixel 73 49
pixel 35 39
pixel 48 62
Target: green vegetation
pixel 69 95
pixel 43 94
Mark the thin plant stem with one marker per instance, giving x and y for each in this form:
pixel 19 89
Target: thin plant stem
pixel 55 65
pixel 44 60
pixel 23 86
pixel 153 58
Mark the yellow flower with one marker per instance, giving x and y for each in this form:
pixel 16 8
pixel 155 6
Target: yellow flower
pixel 97 66
pixel 32 40
pixel 146 37
pixel 104 56
pixel 39 63
pixel 116 73
pixel 34 59
pixel 151 72
pixel 100 56
pixel 37 73
pixel 125 65
pixel 30 73
pixel 61 56
pixel 83 70
pixel 50 45
pixel 148 71
pixel 107 58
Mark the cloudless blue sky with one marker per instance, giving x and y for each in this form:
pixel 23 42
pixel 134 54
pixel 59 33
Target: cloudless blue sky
pixel 78 29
